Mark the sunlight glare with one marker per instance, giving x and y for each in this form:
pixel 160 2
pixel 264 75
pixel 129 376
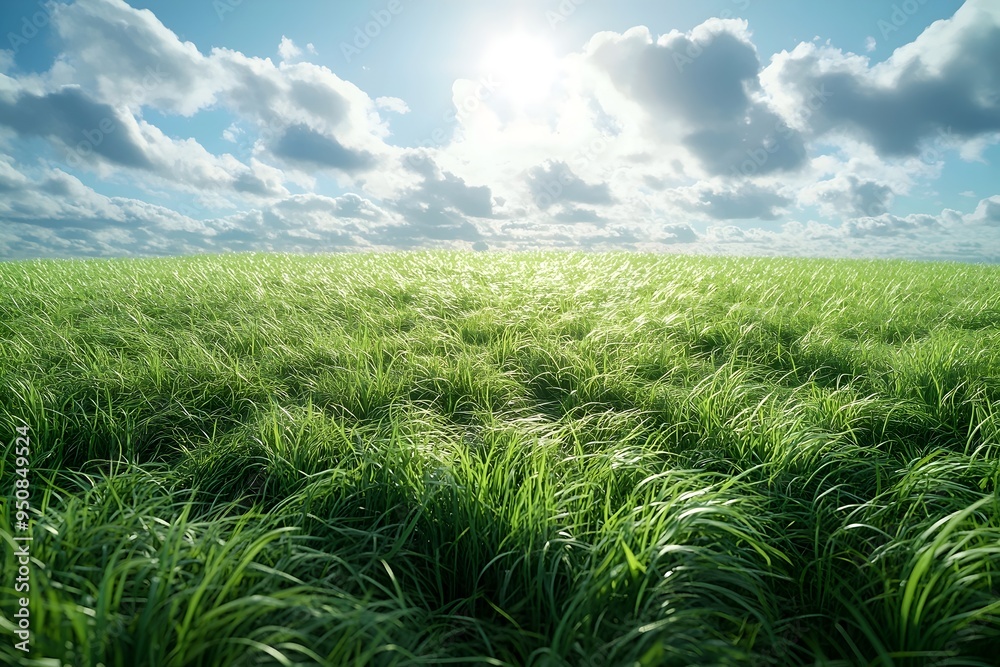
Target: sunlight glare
pixel 524 65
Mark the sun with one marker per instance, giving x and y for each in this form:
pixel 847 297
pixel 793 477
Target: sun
pixel 524 66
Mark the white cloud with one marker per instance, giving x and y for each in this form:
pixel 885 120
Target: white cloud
pixel 890 225
pixel 51 213
pixel 630 113
pixel 115 61
pixel 393 104
pixel 743 202
pixel 846 194
pixel 47 212
pixel 128 57
pixel 287 50
pixel 643 141
pixel 233 133
pixel 936 93
pixel 986 214
pixel 92 134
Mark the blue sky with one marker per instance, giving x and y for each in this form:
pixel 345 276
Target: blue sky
pixel 851 128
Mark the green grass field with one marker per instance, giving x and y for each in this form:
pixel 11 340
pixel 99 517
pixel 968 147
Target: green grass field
pixel 523 459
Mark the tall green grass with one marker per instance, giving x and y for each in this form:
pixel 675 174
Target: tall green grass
pixel 521 459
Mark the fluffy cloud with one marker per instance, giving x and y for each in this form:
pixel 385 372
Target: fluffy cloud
pixel 555 181
pixel 444 189
pixel 848 194
pixel 693 116
pixel 942 86
pixel 701 89
pixel 671 234
pixel 574 214
pixel 127 54
pixel 301 222
pixel 629 114
pixel 438 208
pixel 644 142
pixel 890 225
pixel 393 104
pixel 91 133
pixel 289 50
pixel 78 123
pixel 298 111
pixel 987 213
pixel 745 201
pixel 51 213
pixel 302 144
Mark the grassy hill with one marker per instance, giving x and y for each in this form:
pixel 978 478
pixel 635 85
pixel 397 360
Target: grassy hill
pixel 546 459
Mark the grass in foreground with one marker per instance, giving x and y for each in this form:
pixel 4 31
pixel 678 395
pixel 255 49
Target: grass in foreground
pixel 538 459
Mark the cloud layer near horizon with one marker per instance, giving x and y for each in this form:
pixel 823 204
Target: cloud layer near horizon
pixel 685 142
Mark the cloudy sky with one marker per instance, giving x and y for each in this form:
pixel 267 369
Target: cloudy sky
pixel 833 128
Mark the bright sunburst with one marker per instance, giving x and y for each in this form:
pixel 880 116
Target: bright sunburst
pixel 524 64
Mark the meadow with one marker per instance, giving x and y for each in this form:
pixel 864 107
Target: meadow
pixel 504 459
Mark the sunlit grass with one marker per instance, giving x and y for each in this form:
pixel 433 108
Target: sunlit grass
pixel 545 459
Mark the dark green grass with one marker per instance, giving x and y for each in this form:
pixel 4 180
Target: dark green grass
pixel 539 459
